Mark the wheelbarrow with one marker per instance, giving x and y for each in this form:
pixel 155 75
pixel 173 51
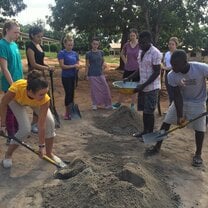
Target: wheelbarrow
pixel 125 87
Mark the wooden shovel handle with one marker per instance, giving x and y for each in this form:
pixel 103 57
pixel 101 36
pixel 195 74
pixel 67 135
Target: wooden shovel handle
pixel 186 123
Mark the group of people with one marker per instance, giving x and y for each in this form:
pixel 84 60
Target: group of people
pixel 185 82
pixel 186 86
pixel 95 66
pixel 20 92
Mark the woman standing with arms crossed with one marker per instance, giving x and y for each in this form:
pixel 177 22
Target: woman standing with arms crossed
pixel 69 62
pixel 100 92
pixel 172 45
pixel 129 54
pixel 33 93
pixel 11 66
pixel 35 59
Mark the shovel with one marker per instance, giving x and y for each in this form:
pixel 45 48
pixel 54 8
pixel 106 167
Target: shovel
pixel 162 134
pixel 74 111
pixel 52 103
pixel 74 108
pixel 60 165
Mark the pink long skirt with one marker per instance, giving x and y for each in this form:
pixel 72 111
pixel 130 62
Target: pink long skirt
pixel 100 92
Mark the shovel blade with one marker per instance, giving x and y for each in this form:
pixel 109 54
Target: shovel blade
pixel 154 137
pixel 75 112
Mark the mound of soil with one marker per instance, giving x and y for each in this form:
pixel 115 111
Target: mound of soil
pixel 133 187
pixel 122 121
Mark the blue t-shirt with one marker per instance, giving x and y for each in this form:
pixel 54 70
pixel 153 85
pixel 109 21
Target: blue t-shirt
pixel 192 84
pixel 10 52
pixel 70 58
pixel 96 62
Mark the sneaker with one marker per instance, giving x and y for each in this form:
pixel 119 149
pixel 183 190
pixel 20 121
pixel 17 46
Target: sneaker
pixel 116 105
pixel 139 135
pixel 8 141
pixel 132 106
pixel 34 128
pixel 59 161
pixel 152 150
pixel 164 113
pixel 67 117
pixel 7 163
pixel 108 107
pixel 94 107
pixel 197 161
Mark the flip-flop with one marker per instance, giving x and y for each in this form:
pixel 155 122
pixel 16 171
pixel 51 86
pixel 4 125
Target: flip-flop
pixel 150 151
pixel 197 161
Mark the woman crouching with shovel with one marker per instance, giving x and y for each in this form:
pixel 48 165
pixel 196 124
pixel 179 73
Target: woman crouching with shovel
pixel 33 93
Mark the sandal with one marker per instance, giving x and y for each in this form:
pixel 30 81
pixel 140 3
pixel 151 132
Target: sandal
pixel 139 135
pixel 197 161
pixel 153 150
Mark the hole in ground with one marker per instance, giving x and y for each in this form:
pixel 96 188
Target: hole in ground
pixel 127 175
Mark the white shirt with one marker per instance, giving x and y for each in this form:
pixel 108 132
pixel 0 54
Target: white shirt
pixel 152 57
pixel 192 84
pixel 167 58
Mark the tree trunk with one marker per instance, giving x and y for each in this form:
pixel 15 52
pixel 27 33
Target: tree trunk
pixel 124 39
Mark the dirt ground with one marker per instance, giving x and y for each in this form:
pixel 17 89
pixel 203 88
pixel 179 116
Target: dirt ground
pixel 115 173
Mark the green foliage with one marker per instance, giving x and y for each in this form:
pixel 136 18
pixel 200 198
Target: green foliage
pixel 164 18
pixel 47 33
pixel 27 43
pixel 22 53
pixel 54 48
pixel 21 44
pixel 46 48
pixel 11 8
pixel 106 51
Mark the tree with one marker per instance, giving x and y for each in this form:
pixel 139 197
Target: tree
pixel 163 18
pixel 11 8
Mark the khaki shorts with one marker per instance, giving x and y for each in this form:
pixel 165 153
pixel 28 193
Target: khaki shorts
pixel 190 111
pixel 24 124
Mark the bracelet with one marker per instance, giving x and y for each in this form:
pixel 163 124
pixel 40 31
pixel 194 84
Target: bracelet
pixel 41 145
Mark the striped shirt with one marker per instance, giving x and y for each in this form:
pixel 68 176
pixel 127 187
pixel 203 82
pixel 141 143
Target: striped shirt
pixel 152 57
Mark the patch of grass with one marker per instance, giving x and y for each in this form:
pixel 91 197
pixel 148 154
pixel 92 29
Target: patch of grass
pixel 51 55
pixel 23 54
pixel 112 59
pixel 108 59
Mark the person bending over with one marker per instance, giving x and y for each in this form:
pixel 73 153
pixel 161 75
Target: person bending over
pixel 188 82
pixel 33 93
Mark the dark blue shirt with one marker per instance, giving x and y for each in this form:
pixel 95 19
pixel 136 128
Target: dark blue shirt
pixel 95 62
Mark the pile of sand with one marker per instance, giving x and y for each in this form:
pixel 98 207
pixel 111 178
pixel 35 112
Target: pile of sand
pixel 131 188
pixel 122 121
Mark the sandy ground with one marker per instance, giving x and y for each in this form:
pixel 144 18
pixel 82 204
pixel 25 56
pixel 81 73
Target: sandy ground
pixel 115 172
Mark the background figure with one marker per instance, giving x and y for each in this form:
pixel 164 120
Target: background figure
pixel 100 92
pixel 188 82
pixel 149 68
pixel 172 45
pixel 11 66
pixel 69 62
pixel 35 58
pixel 31 92
pixel 68 36
pixel 129 54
